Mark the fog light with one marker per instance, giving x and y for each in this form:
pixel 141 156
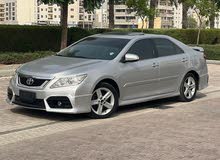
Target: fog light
pixel 59 103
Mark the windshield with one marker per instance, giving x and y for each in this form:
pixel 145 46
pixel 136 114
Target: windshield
pixel 95 48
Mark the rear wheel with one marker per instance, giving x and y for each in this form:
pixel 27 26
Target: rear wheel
pixel 188 88
pixel 104 101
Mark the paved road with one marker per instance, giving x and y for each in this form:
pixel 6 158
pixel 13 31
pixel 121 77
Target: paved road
pixel 163 129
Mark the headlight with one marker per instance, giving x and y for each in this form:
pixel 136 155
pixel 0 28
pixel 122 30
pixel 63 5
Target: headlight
pixel 69 81
pixel 14 77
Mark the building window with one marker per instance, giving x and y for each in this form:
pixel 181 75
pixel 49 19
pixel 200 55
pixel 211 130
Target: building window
pixel 13 3
pixel 71 16
pixel 41 9
pixel 6 4
pixel 80 17
pixel 46 16
pixel 41 16
pixel 13 18
pixel 72 9
pixel 13 13
pixel 55 16
pixel 89 17
pixel 6 18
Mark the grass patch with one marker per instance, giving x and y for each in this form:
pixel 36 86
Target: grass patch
pixel 18 58
pixel 212 51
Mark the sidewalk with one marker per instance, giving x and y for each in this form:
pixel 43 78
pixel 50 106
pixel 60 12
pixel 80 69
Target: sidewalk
pixel 8 70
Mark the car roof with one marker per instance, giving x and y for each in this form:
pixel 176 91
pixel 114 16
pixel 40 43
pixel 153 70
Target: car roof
pixel 128 35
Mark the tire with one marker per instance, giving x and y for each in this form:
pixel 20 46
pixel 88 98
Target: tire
pixel 104 101
pixel 188 88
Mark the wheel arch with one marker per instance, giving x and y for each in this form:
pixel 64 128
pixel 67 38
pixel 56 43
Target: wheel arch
pixel 196 76
pixel 109 81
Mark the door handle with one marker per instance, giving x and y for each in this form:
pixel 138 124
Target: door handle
pixel 184 60
pixel 155 65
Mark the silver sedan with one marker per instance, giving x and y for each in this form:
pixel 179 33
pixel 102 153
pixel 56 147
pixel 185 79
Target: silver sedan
pixel 101 72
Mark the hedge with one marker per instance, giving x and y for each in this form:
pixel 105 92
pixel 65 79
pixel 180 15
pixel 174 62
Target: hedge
pixel 15 38
pixel 18 58
pixel 212 52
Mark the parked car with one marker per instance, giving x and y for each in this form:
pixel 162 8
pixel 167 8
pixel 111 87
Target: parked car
pixel 101 72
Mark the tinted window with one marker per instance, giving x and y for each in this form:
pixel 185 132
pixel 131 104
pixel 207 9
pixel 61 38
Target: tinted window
pixel 165 47
pixel 95 48
pixel 143 48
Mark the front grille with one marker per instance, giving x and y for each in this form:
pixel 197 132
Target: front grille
pixel 37 104
pixel 59 102
pixel 31 82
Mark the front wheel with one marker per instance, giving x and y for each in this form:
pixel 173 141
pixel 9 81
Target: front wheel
pixel 188 88
pixel 104 101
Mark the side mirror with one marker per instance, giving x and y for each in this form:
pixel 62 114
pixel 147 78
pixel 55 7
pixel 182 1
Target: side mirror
pixel 131 57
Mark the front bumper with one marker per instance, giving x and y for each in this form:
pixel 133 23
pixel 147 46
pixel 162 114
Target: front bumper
pixel 79 103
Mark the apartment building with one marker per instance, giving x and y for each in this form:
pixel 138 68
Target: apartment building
pixel 217 22
pixel 101 16
pixel 22 12
pixel 2 11
pixel 50 14
pixel 178 16
pixel 125 17
pixel 166 12
pixel 168 16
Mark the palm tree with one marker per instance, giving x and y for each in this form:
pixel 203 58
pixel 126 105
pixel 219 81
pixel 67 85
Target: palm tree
pixel 153 5
pixel 111 14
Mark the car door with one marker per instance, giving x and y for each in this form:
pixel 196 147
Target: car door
pixel 140 79
pixel 172 64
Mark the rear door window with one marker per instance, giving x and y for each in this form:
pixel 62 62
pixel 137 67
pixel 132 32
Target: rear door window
pixel 166 48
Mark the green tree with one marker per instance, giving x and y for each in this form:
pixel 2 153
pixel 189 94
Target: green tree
pixel 213 14
pixel 191 22
pixel 203 9
pixel 89 5
pixel 142 9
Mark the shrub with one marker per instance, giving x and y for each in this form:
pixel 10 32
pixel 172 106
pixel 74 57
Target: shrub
pixel 17 58
pixel 212 51
pixel 15 38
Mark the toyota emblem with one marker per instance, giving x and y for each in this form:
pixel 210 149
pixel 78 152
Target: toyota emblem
pixel 30 81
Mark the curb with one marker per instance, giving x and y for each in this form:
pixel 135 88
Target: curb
pixel 213 62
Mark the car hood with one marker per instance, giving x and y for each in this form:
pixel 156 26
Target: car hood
pixel 56 65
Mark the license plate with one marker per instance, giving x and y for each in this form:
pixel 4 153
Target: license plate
pixel 28 97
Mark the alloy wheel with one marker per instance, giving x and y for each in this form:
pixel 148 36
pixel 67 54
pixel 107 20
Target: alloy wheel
pixel 103 101
pixel 189 87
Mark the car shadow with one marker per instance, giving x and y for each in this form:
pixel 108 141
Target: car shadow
pixel 158 104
